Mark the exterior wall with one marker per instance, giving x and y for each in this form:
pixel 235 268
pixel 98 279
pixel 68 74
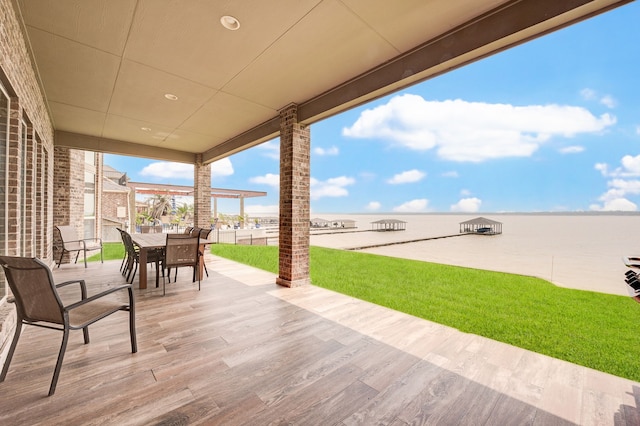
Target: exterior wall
pixel 18 78
pixel 110 203
pixel 68 207
pixel 295 176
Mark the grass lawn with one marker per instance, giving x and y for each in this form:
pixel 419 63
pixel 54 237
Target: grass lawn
pixel 595 330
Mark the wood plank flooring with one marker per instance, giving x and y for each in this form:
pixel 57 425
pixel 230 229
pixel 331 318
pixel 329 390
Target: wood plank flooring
pixel 244 351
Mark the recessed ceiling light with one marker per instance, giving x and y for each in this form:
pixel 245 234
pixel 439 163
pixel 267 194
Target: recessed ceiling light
pixel 230 23
pixel 145 129
pixel 171 97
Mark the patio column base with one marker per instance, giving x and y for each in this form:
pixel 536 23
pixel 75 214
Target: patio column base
pixel 293 283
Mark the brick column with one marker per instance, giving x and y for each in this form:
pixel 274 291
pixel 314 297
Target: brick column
pixel 295 159
pixel 201 193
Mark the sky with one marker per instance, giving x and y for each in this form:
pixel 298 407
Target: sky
pixel 552 125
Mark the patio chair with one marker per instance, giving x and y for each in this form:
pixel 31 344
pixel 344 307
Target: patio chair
pixel 204 235
pixel 38 303
pixel 71 243
pixel 181 250
pixel 133 255
pixel 125 257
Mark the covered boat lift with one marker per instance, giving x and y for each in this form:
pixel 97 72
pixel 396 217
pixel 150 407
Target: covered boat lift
pixel 481 225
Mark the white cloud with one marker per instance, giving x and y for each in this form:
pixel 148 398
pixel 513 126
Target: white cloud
pixel 334 187
pixel 467 205
pixel 465 192
pixel 630 167
pixel 574 149
pixel 271 149
pixel 165 169
pixel 588 94
pixel 410 176
pixel 592 95
pixel 608 101
pixel 326 151
pixel 413 206
pixel 221 168
pixel 373 206
pixel 615 199
pixel 473 131
pixel 451 174
pixel 638 130
pixel 268 179
pixel 617 204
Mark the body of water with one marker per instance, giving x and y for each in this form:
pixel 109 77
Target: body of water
pixel 576 250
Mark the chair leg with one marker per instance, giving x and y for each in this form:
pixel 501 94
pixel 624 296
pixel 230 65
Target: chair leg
pixel 132 322
pixel 134 270
pixel 61 256
pixel 85 334
pixel 12 349
pixel 157 273
pixel 56 372
pixel 84 252
pixel 77 256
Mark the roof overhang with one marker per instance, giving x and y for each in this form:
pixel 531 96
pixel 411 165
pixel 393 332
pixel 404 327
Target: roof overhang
pixel 106 66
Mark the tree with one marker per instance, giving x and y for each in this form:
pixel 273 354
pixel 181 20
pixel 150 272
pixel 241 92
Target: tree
pixel 160 206
pixel 185 211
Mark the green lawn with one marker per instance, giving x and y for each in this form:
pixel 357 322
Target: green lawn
pixel 591 329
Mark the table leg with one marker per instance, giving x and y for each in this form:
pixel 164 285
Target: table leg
pixel 142 273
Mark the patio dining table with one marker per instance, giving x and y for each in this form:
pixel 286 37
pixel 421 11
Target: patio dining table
pixel 148 242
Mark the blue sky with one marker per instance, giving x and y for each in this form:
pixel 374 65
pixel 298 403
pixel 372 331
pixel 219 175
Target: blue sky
pixel 551 125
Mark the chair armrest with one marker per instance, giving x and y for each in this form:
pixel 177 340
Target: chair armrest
pixel 83 287
pixel 98 296
pixel 97 240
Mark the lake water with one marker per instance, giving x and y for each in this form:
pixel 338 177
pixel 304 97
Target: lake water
pixel 577 250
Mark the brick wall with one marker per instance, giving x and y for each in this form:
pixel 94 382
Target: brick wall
pixel 18 78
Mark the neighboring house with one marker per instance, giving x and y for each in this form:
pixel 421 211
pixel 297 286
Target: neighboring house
pixel 117 209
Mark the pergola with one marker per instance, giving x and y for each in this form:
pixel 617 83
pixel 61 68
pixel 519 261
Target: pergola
pixel 195 82
pixel 188 191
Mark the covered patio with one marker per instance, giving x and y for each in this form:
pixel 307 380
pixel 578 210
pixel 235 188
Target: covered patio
pixel 246 351
pixel 185 82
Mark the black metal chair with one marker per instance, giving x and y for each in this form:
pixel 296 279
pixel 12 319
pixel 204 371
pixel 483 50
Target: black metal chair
pixel 133 255
pixel 204 235
pixel 38 303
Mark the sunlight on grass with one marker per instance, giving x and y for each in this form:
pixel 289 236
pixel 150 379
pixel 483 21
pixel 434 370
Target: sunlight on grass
pixel 591 329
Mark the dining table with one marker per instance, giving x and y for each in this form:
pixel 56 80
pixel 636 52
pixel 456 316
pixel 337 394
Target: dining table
pixel 148 242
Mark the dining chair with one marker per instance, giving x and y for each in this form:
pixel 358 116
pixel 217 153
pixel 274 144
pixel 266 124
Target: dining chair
pixel 204 235
pixel 181 250
pixel 125 257
pixel 133 254
pixel 38 303
pixel 71 243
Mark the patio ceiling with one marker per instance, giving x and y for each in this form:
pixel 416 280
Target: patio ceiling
pixel 105 66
